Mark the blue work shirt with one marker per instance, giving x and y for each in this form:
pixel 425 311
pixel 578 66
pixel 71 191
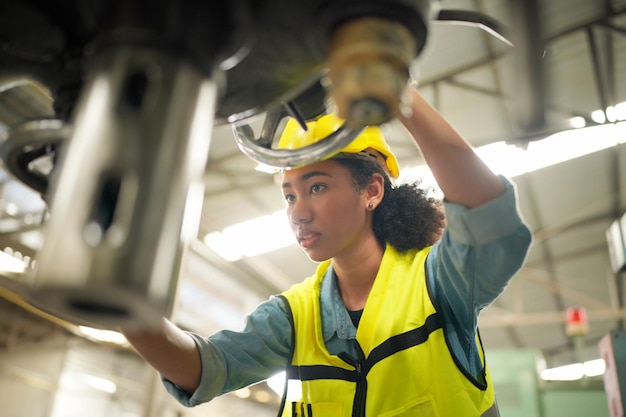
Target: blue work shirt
pixel 479 252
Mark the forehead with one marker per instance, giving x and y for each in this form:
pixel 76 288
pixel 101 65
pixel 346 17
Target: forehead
pixel 328 168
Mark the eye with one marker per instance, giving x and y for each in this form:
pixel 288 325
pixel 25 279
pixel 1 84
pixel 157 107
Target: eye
pixel 316 188
pixel 289 198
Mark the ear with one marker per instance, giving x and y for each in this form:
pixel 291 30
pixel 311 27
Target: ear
pixel 374 191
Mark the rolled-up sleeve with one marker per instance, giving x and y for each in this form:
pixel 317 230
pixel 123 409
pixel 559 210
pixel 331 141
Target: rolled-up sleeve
pixel 481 250
pixel 232 360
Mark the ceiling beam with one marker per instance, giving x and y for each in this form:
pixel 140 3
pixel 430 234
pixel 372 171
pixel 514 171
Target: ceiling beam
pixel 542 278
pixel 529 48
pixel 501 319
pixel 604 20
pixel 576 221
pixel 541 245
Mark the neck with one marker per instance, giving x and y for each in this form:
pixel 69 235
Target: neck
pixel 356 274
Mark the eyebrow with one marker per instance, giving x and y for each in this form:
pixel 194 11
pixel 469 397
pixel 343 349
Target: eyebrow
pixel 307 176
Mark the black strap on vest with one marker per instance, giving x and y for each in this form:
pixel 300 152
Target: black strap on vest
pixel 392 345
pixel 362 366
pixel 404 341
pixel 291 352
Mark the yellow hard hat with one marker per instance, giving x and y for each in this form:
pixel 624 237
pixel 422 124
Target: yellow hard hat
pixel 294 137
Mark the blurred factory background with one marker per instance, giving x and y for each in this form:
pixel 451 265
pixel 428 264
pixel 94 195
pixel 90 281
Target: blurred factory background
pixel 556 125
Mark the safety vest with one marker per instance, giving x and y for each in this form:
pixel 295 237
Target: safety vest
pixel 404 366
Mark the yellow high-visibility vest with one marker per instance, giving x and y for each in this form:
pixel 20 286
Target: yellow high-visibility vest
pixel 404 368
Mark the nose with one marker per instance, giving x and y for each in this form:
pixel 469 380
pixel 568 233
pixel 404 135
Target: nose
pixel 299 213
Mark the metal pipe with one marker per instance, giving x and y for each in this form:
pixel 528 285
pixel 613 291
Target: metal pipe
pixel 288 158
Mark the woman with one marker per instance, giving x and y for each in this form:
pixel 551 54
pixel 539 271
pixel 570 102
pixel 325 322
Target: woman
pixel 387 325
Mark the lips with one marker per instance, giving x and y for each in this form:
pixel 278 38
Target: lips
pixel 306 238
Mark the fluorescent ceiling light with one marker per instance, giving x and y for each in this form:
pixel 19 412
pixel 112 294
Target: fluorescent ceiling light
pixel 222 246
pixel 577 122
pixel 511 161
pixel 262 396
pixel 277 384
pixel 268 233
pixel 620 111
pixel 594 367
pixel 243 393
pixel 78 381
pixel 598 116
pixel 108 336
pixel 101 384
pixel 574 371
pixel 9 263
pixel 611 114
pixel 252 237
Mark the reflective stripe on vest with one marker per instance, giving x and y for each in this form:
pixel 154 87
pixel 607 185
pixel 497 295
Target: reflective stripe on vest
pixel 404 366
pixel 363 365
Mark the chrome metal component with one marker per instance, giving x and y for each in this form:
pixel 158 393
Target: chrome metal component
pixel 288 158
pixel 24 144
pixel 120 208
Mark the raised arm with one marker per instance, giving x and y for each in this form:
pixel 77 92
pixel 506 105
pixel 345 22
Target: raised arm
pixel 461 175
pixel 172 352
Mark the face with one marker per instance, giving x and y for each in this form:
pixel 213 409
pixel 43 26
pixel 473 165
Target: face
pixel 326 212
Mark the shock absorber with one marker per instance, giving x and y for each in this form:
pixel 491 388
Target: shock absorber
pixel 127 194
pixel 113 244
pixel 371 49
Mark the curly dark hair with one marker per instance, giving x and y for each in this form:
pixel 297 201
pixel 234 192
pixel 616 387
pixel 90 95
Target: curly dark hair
pixel 407 218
